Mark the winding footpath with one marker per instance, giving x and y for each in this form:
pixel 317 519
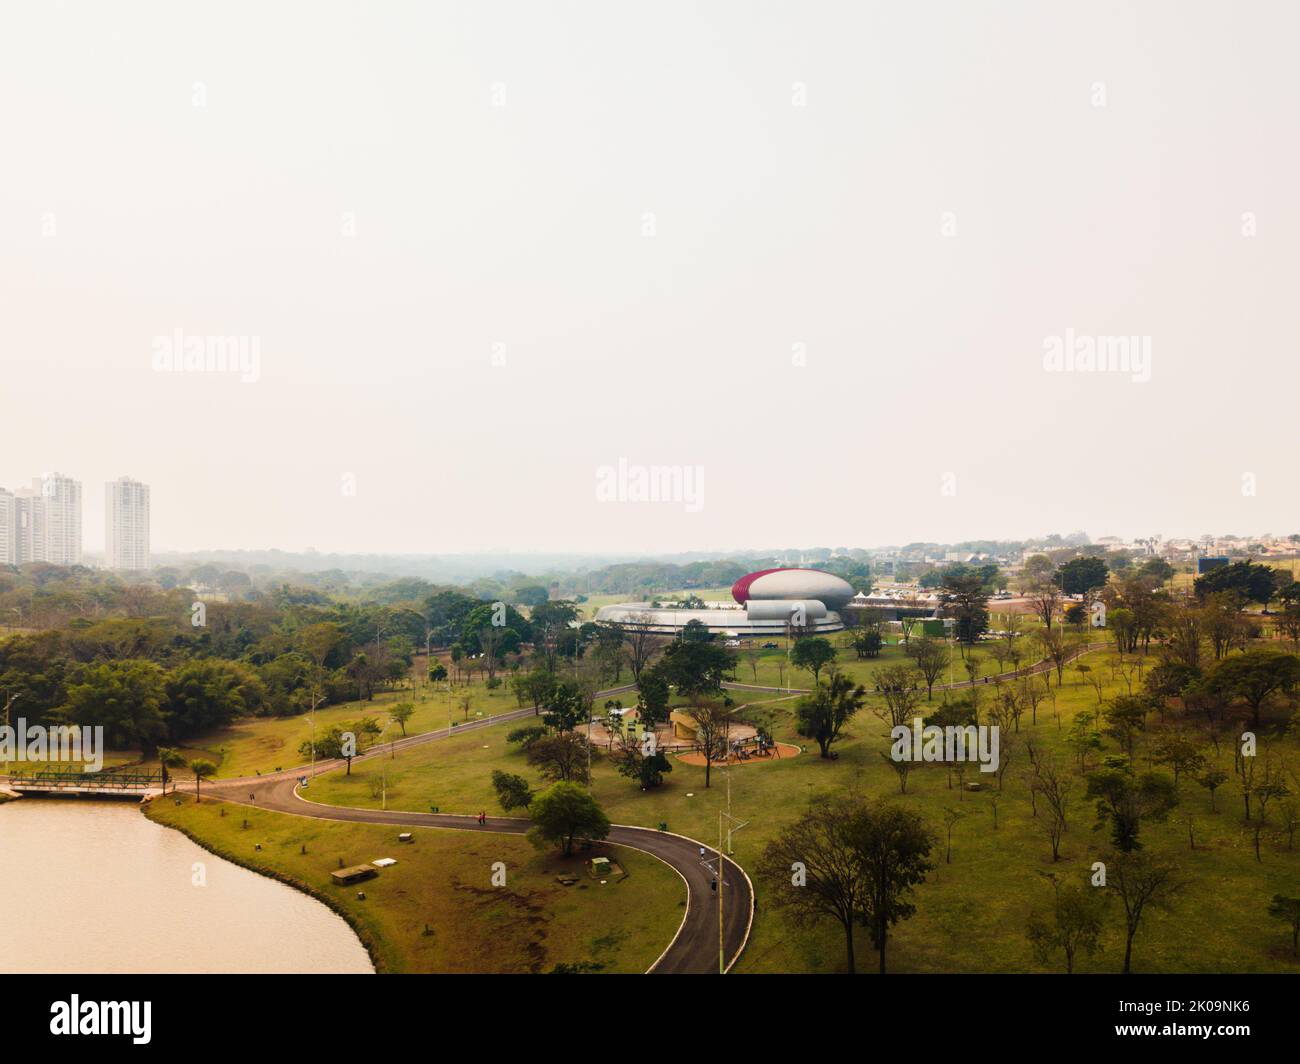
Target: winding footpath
pixel 695 947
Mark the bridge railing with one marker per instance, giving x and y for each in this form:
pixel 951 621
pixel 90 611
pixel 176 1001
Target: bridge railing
pixel 63 776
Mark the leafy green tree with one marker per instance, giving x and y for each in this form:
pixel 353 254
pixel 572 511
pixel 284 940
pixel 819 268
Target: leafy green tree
pixel 652 696
pixel 401 713
pixel 1180 751
pixel 125 698
pixel 512 790
pixel 565 707
pixel 532 596
pixel 647 769
pixel 893 844
pixel 1288 909
pixel 1212 779
pixel 695 631
pixel 1082 576
pixel 696 669
pixel 209 693
pixel 565 812
pixel 563 756
pixel 1073 926
pixel 1125 717
pixel 822 715
pixel 812 653
pixel 1246 581
pixel 1254 675
pixel 1125 799
pixel 964 596
pixel 505 637
pixel 1156 569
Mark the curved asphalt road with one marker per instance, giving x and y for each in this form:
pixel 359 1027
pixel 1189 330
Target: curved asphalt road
pixel 695 947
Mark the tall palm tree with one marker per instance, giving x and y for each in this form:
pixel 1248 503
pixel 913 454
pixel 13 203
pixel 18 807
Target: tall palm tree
pixel 202 769
pixel 169 757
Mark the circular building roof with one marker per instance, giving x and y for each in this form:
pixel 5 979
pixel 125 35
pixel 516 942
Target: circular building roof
pixel 793 584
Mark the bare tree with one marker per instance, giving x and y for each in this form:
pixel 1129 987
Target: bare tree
pixel 642 643
pixel 951 815
pixel 898 687
pixel 1053 785
pixel 814 870
pixel 1045 597
pixel 1140 880
pixel 712 728
pixel 930 657
pixel 1056 648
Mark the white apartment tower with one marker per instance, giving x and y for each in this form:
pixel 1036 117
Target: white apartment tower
pixel 42 523
pixel 61 516
pixel 8 528
pixel 126 524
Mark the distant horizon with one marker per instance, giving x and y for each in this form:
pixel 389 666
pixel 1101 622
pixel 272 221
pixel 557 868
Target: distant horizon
pixel 667 554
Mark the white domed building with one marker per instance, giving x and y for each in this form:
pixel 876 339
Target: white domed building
pixel 765 604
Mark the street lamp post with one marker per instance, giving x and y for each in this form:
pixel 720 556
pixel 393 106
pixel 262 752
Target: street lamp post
pixel 311 718
pixel 383 764
pixel 9 702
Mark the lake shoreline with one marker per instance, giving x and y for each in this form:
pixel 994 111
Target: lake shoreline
pixel 364 935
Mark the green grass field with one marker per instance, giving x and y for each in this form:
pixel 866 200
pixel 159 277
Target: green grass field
pixel 442 881
pixel 971 913
pixel 264 744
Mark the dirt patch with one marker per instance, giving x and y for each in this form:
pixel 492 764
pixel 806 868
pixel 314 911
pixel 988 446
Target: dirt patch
pixel 784 751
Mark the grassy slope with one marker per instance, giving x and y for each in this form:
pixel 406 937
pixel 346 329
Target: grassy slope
pixel 971 914
pixel 443 880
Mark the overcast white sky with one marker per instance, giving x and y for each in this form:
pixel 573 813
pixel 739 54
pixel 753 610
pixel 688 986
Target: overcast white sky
pixel 126 212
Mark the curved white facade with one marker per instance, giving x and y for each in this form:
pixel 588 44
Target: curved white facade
pixel 767 601
pixel 794 584
pixel 724 622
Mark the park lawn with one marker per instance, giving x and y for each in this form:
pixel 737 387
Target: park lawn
pixel 971 914
pixel 264 744
pixel 772 670
pixel 708 594
pixel 443 881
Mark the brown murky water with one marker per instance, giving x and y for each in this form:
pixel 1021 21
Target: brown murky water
pixel 95 887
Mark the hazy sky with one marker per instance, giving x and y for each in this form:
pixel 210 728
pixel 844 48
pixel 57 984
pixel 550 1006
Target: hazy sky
pixel 815 249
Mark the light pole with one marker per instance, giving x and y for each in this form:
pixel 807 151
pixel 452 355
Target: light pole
pixel 383 764
pixel 9 702
pixel 311 719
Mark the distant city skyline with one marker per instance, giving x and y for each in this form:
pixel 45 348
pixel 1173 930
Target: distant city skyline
pixel 46 523
pixel 878 276
pixel 73 517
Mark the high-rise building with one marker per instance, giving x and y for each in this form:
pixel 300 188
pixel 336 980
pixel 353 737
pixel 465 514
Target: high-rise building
pixel 42 523
pixel 59 518
pixel 8 528
pixel 126 524
pixel 29 526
